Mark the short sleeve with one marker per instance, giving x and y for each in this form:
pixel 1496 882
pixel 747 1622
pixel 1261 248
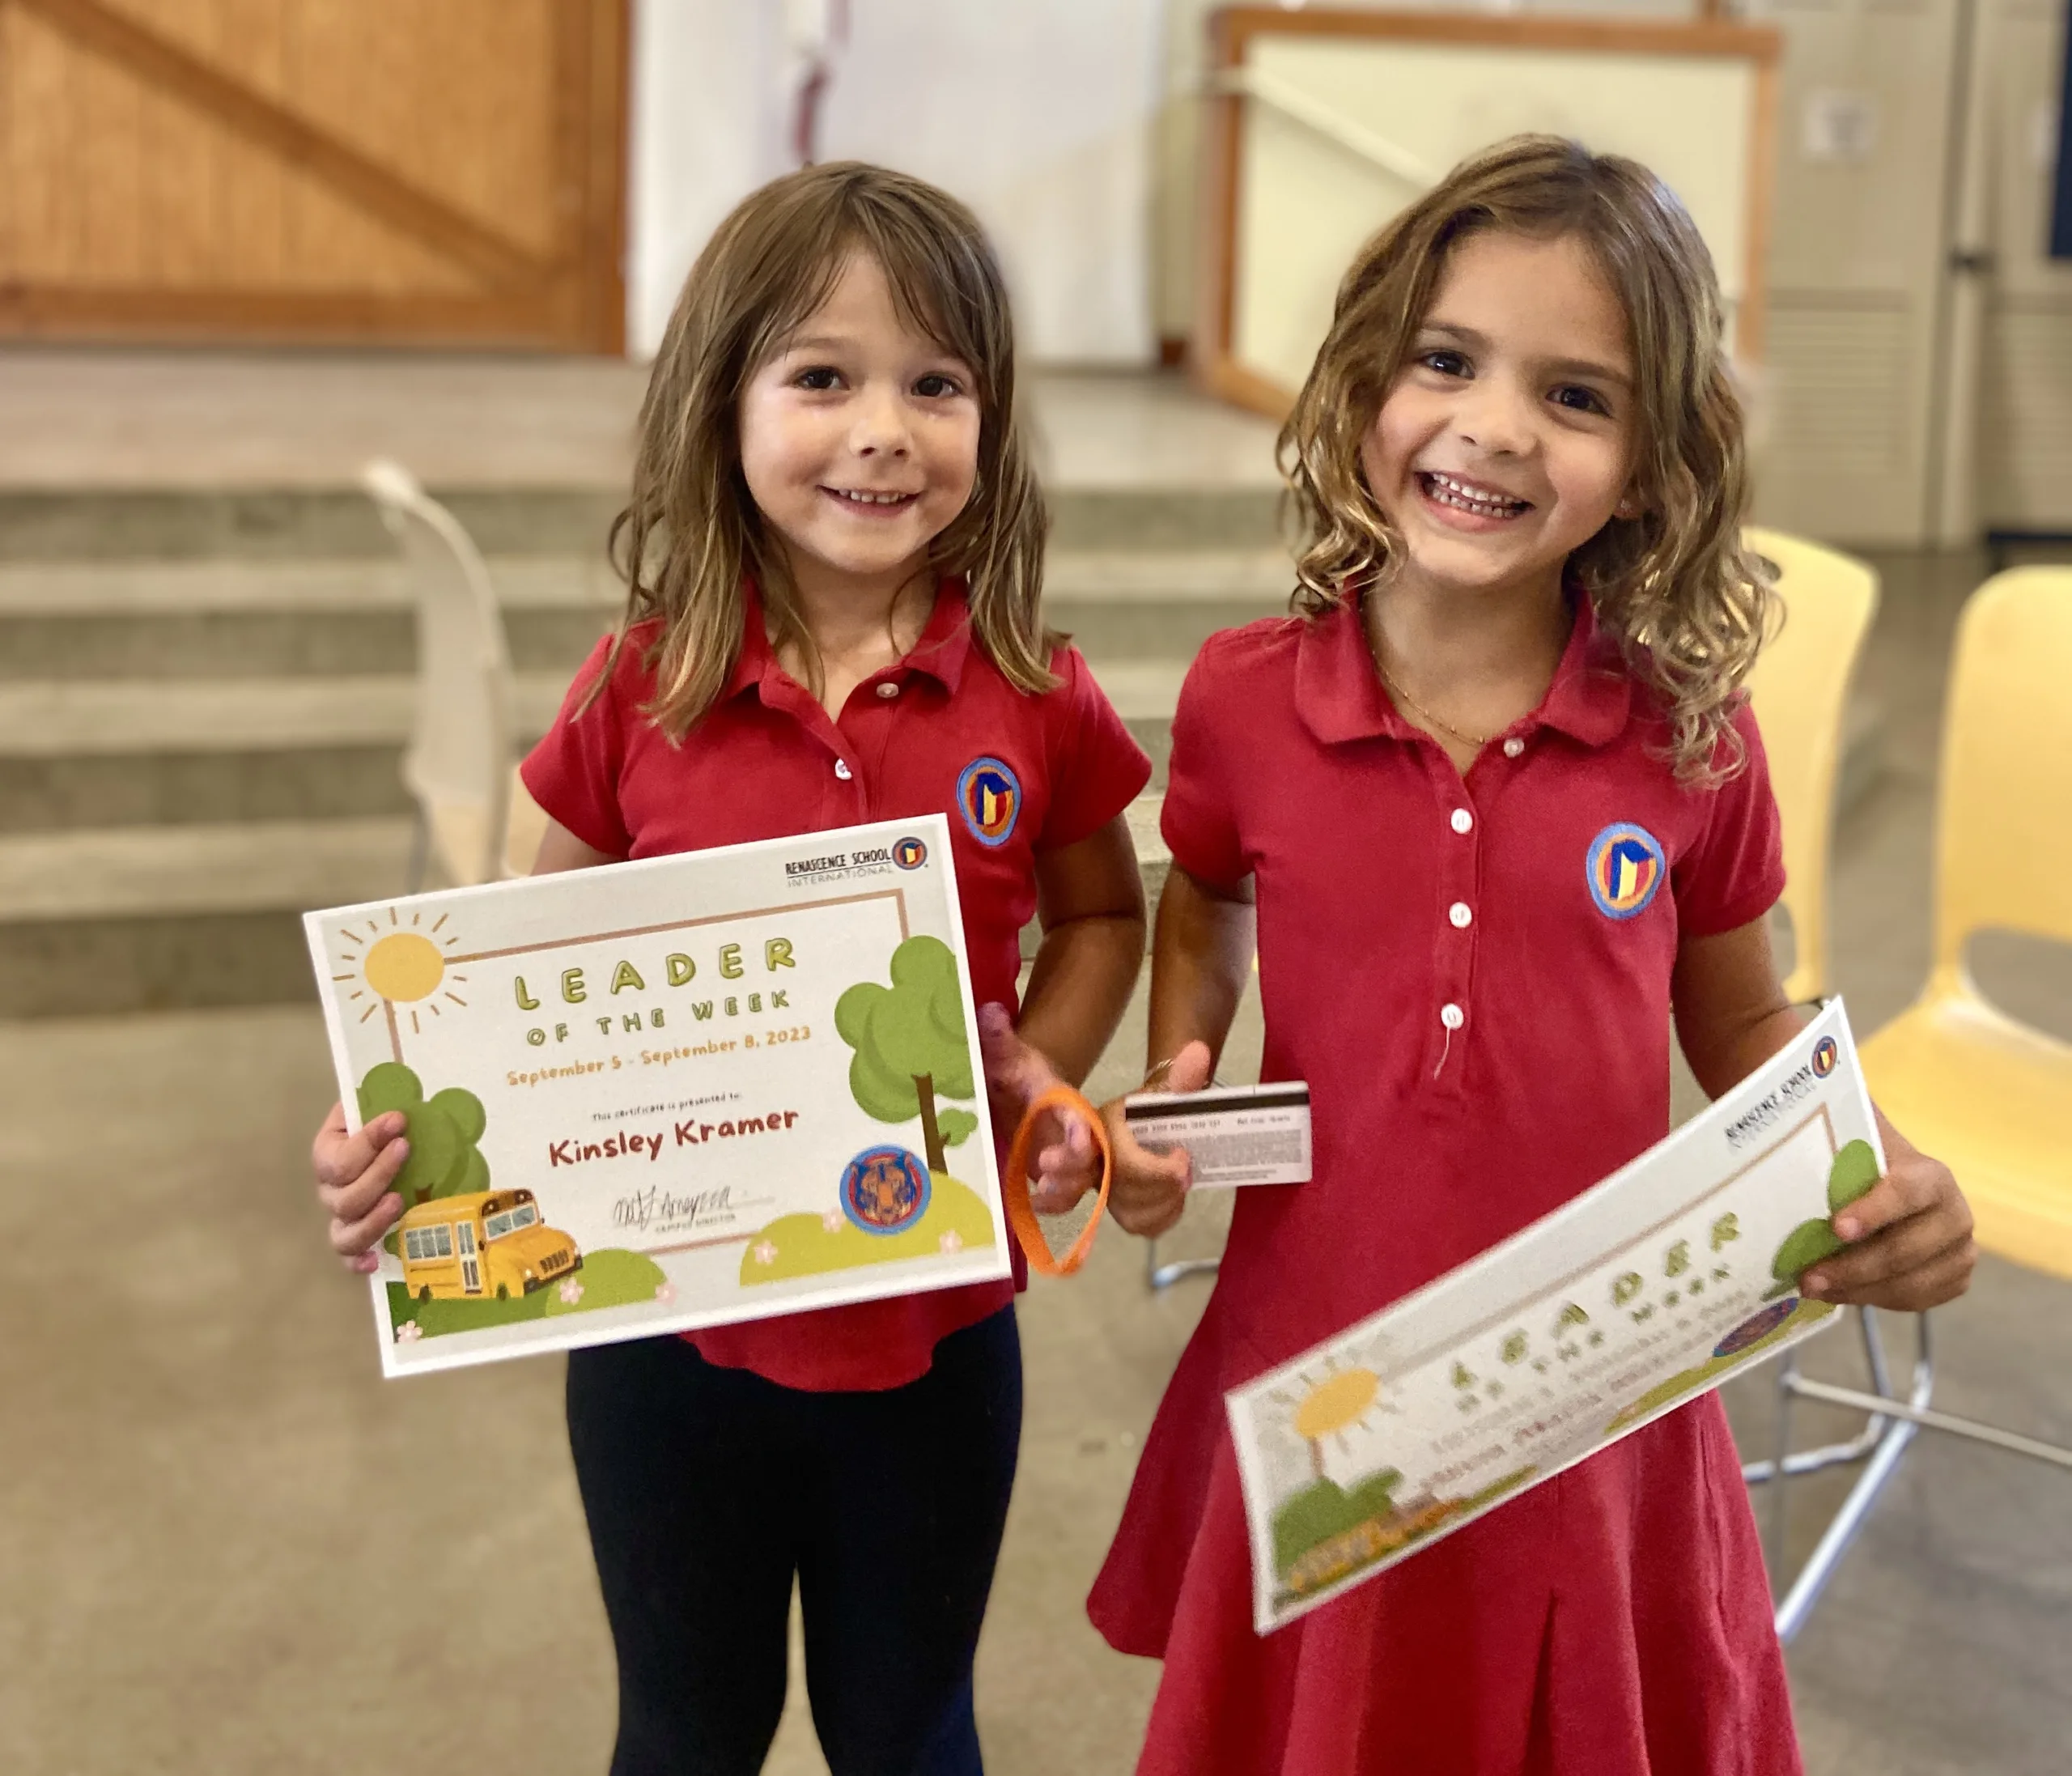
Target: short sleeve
pixel 573 773
pixel 1097 767
pixel 1197 823
pixel 1735 871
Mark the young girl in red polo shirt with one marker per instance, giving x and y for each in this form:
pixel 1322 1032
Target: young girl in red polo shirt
pixel 833 548
pixel 1522 623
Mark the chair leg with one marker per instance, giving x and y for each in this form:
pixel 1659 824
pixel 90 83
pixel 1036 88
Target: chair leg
pixel 1883 1439
pixel 1808 1461
pixel 1892 1423
pixel 1780 1498
pixel 1157 1276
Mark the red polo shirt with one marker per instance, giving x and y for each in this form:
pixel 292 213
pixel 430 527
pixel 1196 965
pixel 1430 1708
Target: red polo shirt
pixel 1473 976
pixel 767 762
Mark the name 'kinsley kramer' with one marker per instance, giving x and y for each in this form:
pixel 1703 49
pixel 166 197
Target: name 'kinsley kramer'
pixel 693 1133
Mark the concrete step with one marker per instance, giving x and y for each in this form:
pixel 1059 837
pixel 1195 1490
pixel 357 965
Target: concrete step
pixel 273 524
pixel 205 913
pixel 106 753
pixel 152 917
pixel 88 753
pixel 222 620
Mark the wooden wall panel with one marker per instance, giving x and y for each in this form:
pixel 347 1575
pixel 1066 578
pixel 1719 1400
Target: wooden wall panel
pixel 319 169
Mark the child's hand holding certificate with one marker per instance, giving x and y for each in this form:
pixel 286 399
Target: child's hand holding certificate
pixel 703 1088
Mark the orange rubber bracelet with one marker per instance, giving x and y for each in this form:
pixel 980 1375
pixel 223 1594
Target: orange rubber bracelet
pixel 1014 1186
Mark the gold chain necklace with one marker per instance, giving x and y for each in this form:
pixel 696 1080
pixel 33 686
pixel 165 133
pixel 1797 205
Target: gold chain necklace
pixel 1397 691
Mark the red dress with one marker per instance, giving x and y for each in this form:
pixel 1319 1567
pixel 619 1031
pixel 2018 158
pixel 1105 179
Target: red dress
pixel 1483 1022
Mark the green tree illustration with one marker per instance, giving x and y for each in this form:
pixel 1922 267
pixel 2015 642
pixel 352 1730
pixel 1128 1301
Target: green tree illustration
pixel 1853 1172
pixel 443 1133
pixel 911 1046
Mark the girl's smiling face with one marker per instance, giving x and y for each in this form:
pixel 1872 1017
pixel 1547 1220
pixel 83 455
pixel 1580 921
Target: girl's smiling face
pixel 860 439
pixel 1507 440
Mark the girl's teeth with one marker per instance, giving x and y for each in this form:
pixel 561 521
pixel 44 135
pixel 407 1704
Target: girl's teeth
pixel 876 498
pixel 1467 498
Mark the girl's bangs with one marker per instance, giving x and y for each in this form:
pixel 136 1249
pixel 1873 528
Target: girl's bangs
pixel 924 292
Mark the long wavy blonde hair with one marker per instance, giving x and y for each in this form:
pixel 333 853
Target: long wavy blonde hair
pixel 690 536
pixel 1689 609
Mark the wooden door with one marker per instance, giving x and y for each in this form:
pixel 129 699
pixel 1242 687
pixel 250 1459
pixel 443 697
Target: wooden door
pixel 404 171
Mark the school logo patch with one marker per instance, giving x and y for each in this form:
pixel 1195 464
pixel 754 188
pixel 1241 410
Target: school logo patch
pixel 1625 867
pixel 989 795
pixel 1825 1054
pixel 885 1190
pixel 910 853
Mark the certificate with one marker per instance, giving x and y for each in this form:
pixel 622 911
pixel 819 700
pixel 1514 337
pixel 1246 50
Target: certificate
pixel 670 1094
pixel 1651 1287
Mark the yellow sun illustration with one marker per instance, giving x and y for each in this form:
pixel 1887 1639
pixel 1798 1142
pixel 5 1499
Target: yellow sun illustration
pixel 1332 1404
pixel 399 965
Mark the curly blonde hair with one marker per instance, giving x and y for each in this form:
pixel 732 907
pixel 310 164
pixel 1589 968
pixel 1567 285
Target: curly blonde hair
pixel 690 536
pixel 1688 607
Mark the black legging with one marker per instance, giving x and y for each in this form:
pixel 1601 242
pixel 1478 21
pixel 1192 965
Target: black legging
pixel 706 1488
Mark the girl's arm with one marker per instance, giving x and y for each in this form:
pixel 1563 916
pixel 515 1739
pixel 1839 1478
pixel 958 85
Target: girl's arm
pixel 1089 898
pixel 1199 959
pixel 355 1172
pixel 1910 1237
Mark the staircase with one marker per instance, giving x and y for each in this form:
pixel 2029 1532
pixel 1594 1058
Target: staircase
pixel 204 697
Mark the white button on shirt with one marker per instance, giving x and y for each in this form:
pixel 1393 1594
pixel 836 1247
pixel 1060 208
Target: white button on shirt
pixel 1513 746
pixel 1461 914
pixel 1464 821
pixel 1452 1017
pixel 888 689
pixel 842 770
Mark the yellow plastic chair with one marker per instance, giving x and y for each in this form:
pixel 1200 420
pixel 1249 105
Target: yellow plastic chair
pixel 1967 1083
pixel 1990 1095
pixel 1800 687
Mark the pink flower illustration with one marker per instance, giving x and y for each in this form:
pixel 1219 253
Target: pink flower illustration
pixel 408 1332
pixel 832 1221
pixel 571 1292
pixel 950 1242
pixel 764 1252
pixel 666 1292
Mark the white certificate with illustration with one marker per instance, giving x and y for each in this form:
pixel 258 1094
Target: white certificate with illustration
pixel 1649 1288
pixel 670 1094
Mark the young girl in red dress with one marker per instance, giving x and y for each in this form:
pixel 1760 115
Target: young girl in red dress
pixel 834 551
pixel 1522 625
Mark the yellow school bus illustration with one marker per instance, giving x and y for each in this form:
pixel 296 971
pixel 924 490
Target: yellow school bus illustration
pixel 486 1243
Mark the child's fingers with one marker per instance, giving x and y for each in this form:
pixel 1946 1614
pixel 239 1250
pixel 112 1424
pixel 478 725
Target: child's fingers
pixel 1893 1249
pixel 1013 1069
pixel 1943 1277
pixel 1150 1190
pixel 339 1157
pixel 1066 1170
pixel 354 1240
pixel 358 1191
